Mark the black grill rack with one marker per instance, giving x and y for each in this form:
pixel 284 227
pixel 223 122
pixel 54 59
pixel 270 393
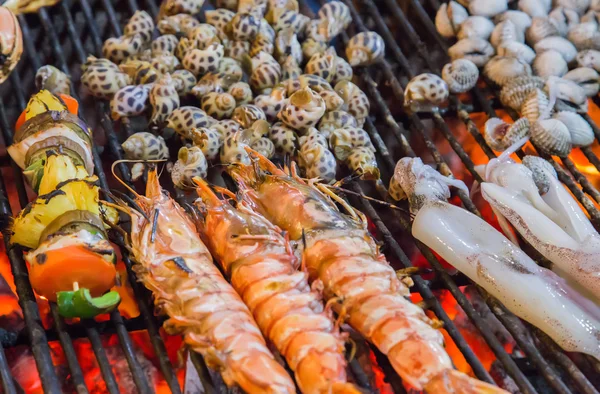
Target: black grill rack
pixel 64 35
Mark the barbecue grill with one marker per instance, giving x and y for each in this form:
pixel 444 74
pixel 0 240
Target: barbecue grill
pixel 65 34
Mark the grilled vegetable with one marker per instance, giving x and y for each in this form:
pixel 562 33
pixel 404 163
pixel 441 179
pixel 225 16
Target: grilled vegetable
pixel 80 303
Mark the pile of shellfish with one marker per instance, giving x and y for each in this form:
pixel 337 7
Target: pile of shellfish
pixel 542 56
pixel 256 74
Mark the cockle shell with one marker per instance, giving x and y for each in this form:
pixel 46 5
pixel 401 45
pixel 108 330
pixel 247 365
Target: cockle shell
pixel 246 115
pixel 477 50
pixel 564 19
pixel 541 27
pixel 591 17
pixel 145 146
pixel 129 101
pixel 580 6
pixel 342 141
pixel 476 27
pixel 487 8
pixel 516 49
pixel 355 100
pixel 569 95
pixel 317 161
pixel 589 58
pixel 425 92
pixel 540 170
pixel 241 92
pixel 521 19
pixel 284 138
pixel 449 17
pixel 303 110
pixel 550 63
pixel 506 32
pixel 499 135
pixel 140 23
pixel 534 8
pixel 580 130
pixel 585 77
pixel 362 162
pixel 552 137
pixel 52 79
pixel 535 105
pixel 501 69
pixel 585 36
pixel 514 93
pixel 334 120
pixel 190 163
pixel 595 5
pixel 558 44
pixel 461 75
pixel 218 105
pixel 117 49
pixel 365 48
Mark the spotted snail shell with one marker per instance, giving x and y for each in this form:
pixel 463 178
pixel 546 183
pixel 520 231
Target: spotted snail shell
pixel 334 120
pixel 180 23
pixel 102 78
pixel 395 190
pixel 304 109
pixel 190 163
pixel 165 63
pixel 129 101
pixel 585 77
pixel 184 81
pixel 272 103
pixel 212 82
pixel 209 140
pixel 247 114
pixel 343 141
pixel 145 146
pixel 261 43
pixel 140 23
pixel 514 93
pixel 362 161
pixel 580 130
pixel 165 44
pixel 175 7
pixel 52 79
pixel 502 70
pixel 266 72
pixel 117 49
pixel 356 102
pixel 477 50
pixel 287 44
pixel 499 135
pixel 226 127
pixel 241 92
pixel 231 67
pixel 183 119
pixel 204 35
pixel 338 13
pixel 552 137
pixel 461 75
pixel 218 105
pixel 540 170
pixel 284 138
pixel 449 18
pixel 202 61
pixel 313 136
pixel 219 18
pixel 425 92
pixel 243 27
pixel 365 48
pixel 163 98
pixel 290 68
pixel 317 161
pixel 264 146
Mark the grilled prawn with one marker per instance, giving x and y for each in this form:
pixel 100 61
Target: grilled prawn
pixel 342 257
pixel 177 267
pixel 263 270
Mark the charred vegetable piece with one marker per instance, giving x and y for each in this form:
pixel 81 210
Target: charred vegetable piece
pixel 80 303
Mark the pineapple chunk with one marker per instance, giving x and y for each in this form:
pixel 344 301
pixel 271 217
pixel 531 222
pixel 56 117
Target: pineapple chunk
pixel 71 195
pixel 57 169
pixel 41 102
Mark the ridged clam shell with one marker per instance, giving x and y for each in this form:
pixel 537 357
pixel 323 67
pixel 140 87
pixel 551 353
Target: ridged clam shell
pixel 580 130
pixel 534 8
pixel 449 17
pixel 564 19
pixel 541 27
pixel 487 8
pixel 514 93
pixel 505 32
pixel 461 75
pixel 585 36
pixel 551 136
pixel 580 6
pixel 516 49
pixel 476 27
pixel 519 18
pixel 474 49
pixel 540 170
pixel 569 95
pixel 499 135
pixel 550 63
pixel 587 78
pixel 558 44
pixel 502 69
pixel 589 58
pixel 425 92
pixel 535 104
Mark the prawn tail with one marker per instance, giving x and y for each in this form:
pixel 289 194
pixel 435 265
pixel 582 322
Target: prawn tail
pixel 451 381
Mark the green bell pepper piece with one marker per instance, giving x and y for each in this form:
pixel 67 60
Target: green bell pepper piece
pixel 80 303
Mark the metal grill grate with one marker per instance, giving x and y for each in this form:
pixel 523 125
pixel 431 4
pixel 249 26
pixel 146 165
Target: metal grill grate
pixel 66 33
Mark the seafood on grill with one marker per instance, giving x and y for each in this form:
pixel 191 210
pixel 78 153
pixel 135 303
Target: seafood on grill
pixel 558 44
pixel 515 92
pixel 478 250
pixel 304 109
pixel 536 106
pixel 246 115
pixel 284 138
pixel 174 264
pixel 569 95
pixel 339 254
pixel 502 70
pixel 587 78
pixel 365 48
pixel 186 118
pixel 164 99
pixel 218 105
pixel 476 27
pixel 70 259
pixel 500 135
pixel 131 100
pixel 550 63
pixel 589 58
pixel 52 79
pixel 329 66
pixel 140 23
pixel 259 261
pixel 356 102
pixel 580 131
pixel 461 75
pixel 11 42
pixel 518 50
pixel 102 78
pixel 241 92
pixel 190 163
pixel 552 137
pixel 506 31
pixel 449 18
pixel 144 146
pixel 315 158
pixel 425 93
pixel 477 50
